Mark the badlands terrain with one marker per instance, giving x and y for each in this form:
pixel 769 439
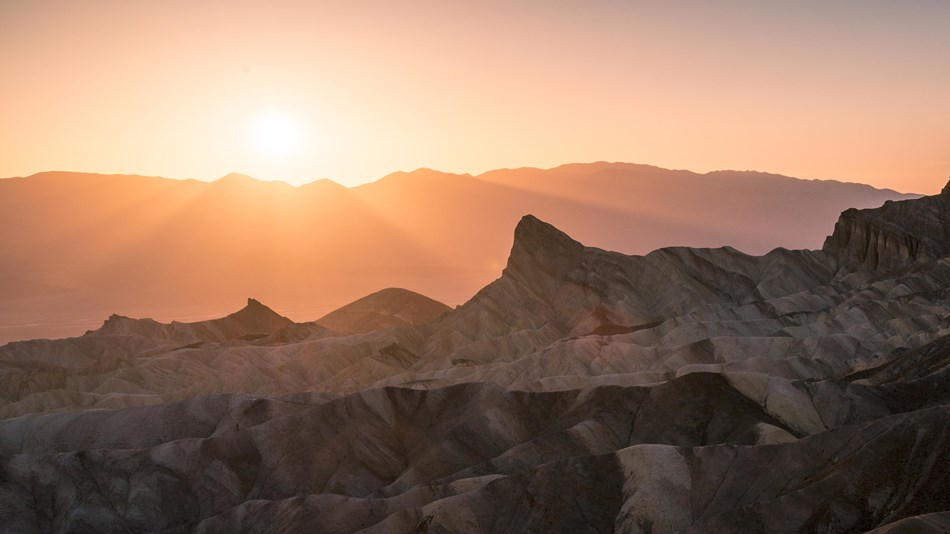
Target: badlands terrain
pixel 684 390
pixel 78 247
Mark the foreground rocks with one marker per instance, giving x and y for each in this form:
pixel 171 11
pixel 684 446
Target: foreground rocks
pixel 698 390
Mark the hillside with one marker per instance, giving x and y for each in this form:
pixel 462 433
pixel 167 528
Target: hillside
pixel 685 390
pixel 77 247
pixel 388 308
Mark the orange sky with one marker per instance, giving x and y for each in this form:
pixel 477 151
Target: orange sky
pixel 851 90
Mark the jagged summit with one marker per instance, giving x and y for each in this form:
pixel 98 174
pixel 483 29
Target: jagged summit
pixel 538 241
pixel 894 234
pixel 530 228
pixel 121 325
pixel 255 306
pixel 257 315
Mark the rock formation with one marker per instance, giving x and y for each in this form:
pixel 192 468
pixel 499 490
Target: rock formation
pixel 686 390
pixel 78 247
pixel 893 235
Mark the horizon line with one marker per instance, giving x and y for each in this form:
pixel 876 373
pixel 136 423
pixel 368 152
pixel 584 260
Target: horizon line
pixel 238 174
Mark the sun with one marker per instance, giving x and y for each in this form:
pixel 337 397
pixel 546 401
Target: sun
pixel 276 135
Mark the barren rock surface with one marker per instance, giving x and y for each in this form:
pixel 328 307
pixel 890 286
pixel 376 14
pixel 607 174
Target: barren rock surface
pixel 686 390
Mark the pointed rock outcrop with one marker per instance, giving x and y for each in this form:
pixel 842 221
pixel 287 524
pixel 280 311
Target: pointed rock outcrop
pixel 254 319
pixel 539 244
pixel 541 256
pixel 893 235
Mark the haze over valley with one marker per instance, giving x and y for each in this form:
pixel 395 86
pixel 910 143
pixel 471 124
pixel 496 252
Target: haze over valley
pixel 79 247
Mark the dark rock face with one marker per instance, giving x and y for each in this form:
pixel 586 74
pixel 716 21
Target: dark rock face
pixel 688 390
pixel 893 235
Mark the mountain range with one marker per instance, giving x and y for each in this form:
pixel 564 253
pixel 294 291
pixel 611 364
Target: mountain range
pixel 682 390
pixel 78 247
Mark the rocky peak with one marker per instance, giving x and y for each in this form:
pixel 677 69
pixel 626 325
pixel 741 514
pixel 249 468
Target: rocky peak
pixel 894 234
pixel 539 243
pixel 258 316
pixel 114 323
pixel 123 326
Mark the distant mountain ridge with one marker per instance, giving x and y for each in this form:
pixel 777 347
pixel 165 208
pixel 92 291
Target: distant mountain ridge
pixel 77 247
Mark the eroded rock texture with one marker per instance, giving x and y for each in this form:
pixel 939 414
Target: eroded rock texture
pixel 687 390
pixel 894 234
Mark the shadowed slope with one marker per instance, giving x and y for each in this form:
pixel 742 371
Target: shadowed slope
pixel 469 457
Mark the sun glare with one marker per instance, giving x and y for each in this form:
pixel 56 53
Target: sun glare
pixel 276 135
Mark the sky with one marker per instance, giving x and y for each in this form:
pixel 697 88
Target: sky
pixel 851 90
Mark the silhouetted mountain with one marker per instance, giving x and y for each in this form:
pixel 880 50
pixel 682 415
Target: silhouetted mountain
pixel 77 247
pixel 387 308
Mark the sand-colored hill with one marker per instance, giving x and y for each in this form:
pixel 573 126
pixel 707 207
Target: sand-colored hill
pixel 387 308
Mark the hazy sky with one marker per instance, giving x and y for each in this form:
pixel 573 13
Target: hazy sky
pixel 299 90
